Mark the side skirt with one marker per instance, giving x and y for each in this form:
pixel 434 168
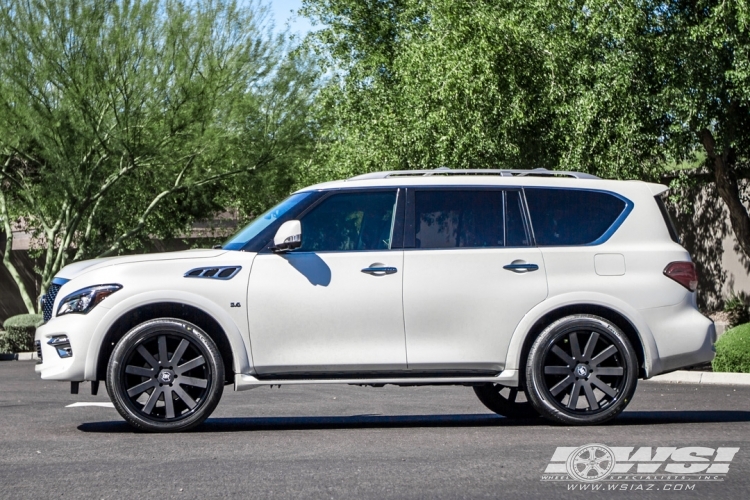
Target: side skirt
pixel 243 382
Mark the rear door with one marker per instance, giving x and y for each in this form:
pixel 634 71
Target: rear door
pixel 470 275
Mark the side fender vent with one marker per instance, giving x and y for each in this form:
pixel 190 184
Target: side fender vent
pixel 216 273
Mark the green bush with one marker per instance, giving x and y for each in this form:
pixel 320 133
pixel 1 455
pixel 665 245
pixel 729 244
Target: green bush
pixel 735 305
pixel 19 333
pixel 733 350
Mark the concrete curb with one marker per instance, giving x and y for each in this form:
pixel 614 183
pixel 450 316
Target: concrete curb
pixel 703 378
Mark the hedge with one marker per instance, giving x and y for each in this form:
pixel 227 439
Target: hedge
pixel 19 333
pixel 733 350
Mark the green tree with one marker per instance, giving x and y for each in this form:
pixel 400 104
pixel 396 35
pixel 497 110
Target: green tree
pixel 618 89
pixel 124 120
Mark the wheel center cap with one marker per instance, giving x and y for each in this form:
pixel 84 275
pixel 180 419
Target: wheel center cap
pixel 582 370
pixel 166 376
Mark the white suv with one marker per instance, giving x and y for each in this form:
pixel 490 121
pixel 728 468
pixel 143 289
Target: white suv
pixel 558 287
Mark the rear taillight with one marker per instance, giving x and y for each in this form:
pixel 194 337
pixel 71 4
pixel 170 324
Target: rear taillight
pixel 683 273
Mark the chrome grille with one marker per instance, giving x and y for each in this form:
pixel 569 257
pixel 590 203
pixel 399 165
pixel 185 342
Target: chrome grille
pixel 48 301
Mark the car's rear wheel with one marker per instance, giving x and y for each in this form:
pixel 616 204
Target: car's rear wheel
pixel 510 402
pixel 165 375
pixel 581 369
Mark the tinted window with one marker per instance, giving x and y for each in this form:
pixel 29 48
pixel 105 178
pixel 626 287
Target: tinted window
pixel 350 221
pixel 467 219
pixel 569 216
pixel 516 232
pixel 667 219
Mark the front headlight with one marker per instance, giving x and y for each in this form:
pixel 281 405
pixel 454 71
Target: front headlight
pixel 85 299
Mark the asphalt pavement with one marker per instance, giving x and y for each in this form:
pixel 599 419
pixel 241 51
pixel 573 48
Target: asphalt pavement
pixel 351 442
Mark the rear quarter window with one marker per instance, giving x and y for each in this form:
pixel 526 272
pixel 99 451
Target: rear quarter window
pixel 565 217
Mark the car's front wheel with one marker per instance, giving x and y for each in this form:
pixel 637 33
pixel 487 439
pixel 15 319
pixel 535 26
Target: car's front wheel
pixel 165 375
pixel 581 369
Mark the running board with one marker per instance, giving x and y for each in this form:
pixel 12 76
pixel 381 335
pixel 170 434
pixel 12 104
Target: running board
pixel 243 382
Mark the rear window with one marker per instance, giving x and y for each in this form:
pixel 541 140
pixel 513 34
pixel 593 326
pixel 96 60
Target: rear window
pixel 564 217
pixel 667 219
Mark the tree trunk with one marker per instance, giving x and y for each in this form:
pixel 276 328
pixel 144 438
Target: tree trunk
pixel 30 306
pixel 728 188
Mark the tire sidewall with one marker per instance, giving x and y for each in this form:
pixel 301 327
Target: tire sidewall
pixel 140 334
pixel 537 392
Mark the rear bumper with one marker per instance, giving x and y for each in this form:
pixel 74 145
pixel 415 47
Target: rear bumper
pixel 683 336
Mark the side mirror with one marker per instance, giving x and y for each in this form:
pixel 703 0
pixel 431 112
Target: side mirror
pixel 288 237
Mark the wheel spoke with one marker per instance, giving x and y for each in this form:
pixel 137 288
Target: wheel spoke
pixel 168 402
pixel 607 370
pixel 575 348
pixel 590 346
pixel 152 400
pixel 602 386
pixel 574 395
pixel 148 357
pixel 562 385
pixel 179 352
pixel 193 363
pixel 195 382
pixel 139 370
pixel 163 357
pixel 512 394
pixel 184 396
pixel 606 353
pixel 563 355
pixel 141 388
pixel 590 397
pixel 557 370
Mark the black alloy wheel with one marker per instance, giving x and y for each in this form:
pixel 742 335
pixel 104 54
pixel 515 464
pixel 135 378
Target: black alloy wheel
pixel 165 375
pixel 510 402
pixel 581 370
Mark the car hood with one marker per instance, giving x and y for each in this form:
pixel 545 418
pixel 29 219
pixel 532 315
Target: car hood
pixel 76 269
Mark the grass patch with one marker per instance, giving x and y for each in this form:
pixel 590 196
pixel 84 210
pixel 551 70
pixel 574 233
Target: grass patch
pixel 733 350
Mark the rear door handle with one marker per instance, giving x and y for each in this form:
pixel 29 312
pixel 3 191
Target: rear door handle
pixel 380 270
pixel 520 267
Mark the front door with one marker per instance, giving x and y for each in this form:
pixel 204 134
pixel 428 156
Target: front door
pixel 334 305
pixel 469 278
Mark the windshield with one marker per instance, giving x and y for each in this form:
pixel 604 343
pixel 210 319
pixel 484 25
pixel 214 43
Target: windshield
pixel 247 233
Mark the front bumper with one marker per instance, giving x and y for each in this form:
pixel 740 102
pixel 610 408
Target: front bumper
pixel 79 329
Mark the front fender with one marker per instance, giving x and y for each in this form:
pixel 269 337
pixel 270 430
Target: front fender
pixel 650 351
pixel 240 344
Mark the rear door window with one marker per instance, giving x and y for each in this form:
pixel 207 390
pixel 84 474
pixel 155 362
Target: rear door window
pixel 469 219
pixel 564 217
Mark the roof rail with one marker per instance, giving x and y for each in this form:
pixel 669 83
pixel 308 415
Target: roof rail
pixel 537 172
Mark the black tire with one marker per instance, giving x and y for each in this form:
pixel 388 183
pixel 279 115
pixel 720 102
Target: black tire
pixel 165 375
pixel 510 402
pixel 581 370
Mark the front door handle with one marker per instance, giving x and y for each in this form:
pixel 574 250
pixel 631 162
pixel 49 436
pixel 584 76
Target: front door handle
pixel 379 270
pixel 520 266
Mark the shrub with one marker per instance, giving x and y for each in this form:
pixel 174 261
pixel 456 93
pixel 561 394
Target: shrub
pixel 19 333
pixel 735 305
pixel 733 350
